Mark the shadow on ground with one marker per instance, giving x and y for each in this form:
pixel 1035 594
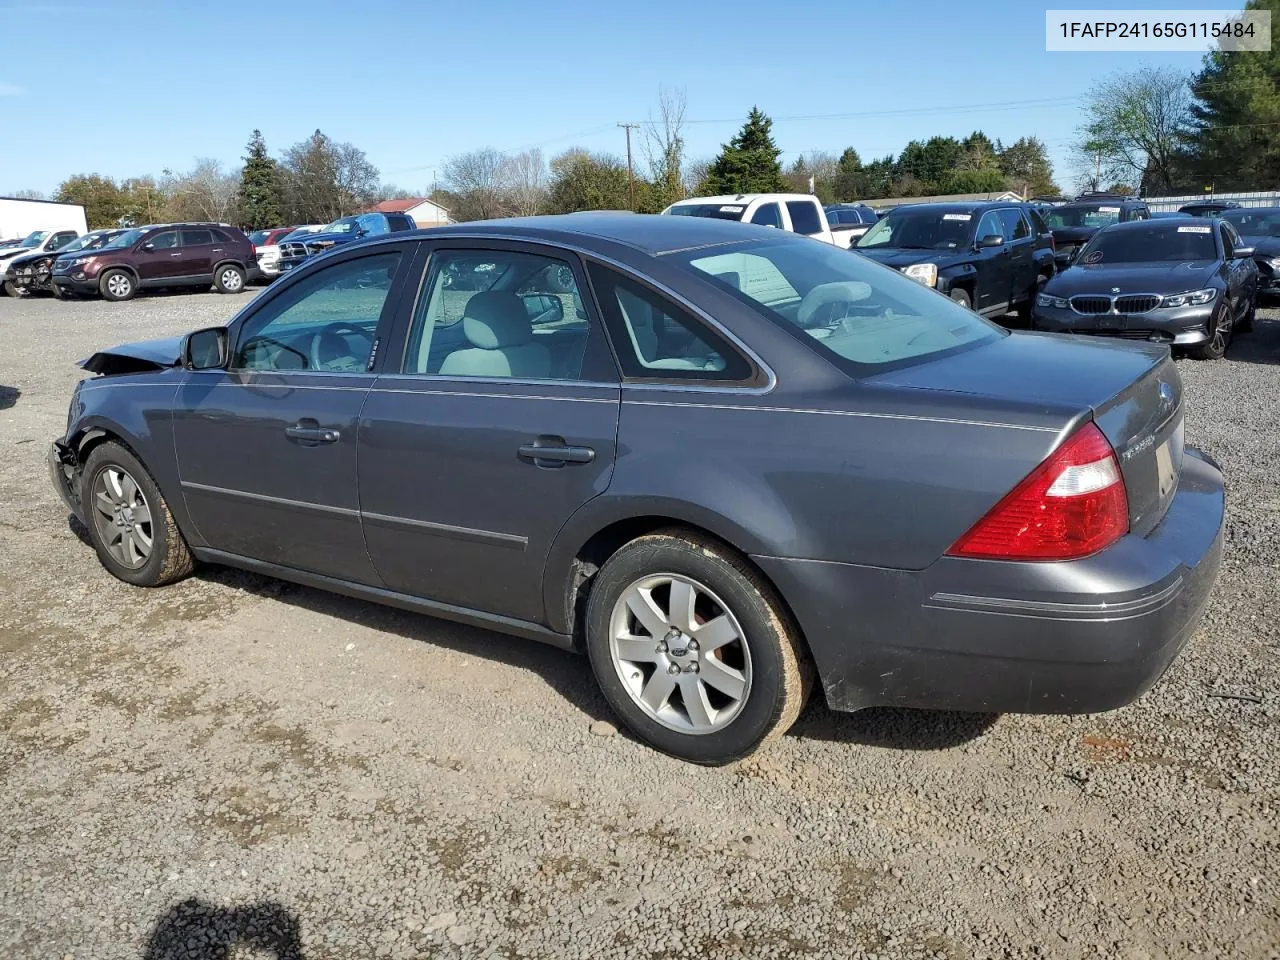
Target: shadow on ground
pixel 196 930
pixel 896 728
pixel 8 396
pixel 1260 345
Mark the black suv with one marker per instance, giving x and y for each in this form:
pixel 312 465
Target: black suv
pixel 991 257
pixel 197 255
pixel 1074 223
pixel 1208 208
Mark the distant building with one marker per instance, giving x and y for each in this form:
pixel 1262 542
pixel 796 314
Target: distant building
pixel 888 203
pixel 425 213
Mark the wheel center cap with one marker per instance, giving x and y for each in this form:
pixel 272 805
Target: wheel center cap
pixel 679 647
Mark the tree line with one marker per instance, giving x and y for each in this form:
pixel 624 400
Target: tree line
pixel 1160 131
pixel 318 180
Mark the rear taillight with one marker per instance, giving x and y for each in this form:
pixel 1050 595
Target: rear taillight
pixel 1070 506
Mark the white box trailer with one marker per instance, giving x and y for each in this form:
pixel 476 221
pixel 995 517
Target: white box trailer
pixel 20 217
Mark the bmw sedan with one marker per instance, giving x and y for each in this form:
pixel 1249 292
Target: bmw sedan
pixel 727 463
pixel 1190 283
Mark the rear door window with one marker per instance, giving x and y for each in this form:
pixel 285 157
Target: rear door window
pixel 197 238
pixel 1015 227
pixel 804 217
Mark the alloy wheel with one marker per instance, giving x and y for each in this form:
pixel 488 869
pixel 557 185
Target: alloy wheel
pixel 123 517
pixel 230 279
pixel 118 285
pixel 1221 330
pixel 680 653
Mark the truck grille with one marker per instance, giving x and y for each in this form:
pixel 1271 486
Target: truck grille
pixel 293 251
pixel 1091 305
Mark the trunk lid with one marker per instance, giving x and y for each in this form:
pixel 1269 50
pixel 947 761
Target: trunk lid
pixel 1132 391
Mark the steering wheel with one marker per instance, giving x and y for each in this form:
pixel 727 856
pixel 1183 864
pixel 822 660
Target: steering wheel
pixel 330 349
pixel 810 314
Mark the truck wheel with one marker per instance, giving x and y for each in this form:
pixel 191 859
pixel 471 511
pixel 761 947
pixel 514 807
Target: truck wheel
pixel 962 297
pixel 229 279
pixel 117 285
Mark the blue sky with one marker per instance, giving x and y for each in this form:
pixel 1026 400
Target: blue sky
pixel 129 87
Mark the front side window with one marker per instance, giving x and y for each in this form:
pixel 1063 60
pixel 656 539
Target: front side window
pixel 861 316
pixel 60 240
pixel 991 225
pixel 804 217
pixel 498 313
pixel 657 340
pixel 168 240
pixel 326 322
pixel 768 215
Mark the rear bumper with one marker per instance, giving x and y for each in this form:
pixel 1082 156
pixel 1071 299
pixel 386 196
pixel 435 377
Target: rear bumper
pixel 990 636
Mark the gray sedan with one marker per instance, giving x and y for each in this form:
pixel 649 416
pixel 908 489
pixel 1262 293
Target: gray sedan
pixel 725 462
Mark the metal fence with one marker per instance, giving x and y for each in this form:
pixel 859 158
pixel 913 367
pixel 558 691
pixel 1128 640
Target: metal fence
pixel 1263 198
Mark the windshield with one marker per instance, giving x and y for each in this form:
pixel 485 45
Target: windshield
pixel 1257 223
pixel 1084 215
pixel 858 313
pixel 91 241
pixel 921 230
pixel 716 211
pixel 126 239
pixel 33 239
pixel 259 237
pixel 1154 243
pixel 344 225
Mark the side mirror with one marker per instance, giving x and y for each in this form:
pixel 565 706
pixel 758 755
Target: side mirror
pixel 361 231
pixel 991 240
pixel 148 246
pixel 1242 253
pixel 205 349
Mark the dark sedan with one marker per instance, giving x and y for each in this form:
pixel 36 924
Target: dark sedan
pixel 1259 227
pixel 727 463
pixel 1188 283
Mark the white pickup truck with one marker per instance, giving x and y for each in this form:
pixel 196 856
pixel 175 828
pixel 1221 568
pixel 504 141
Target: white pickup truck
pixel 793 212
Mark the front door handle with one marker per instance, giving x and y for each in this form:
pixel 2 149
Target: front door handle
pixel 310 432
pixel 555 452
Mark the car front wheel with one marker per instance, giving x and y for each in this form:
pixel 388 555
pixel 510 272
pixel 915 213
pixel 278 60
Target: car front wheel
pixel 1220 330
pixel 129 521
pixel 117 285
pixel 229 279
pixel 962 297
pixel 692 648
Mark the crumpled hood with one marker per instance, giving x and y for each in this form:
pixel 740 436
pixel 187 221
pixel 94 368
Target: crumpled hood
pixel 899 257
pixel 1108 279
pixel 28 257
pixel 136 357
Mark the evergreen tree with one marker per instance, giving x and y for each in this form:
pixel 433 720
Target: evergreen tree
pixel 851 179
pixel 1237 116
pixel 260 197
pixel 749 162
pixel 1026 167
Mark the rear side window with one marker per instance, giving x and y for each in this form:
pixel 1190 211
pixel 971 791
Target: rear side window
pixel 768 215
pixel 1037 222
pixel 804 217
pixel 656 340
pixel 197 238
pixel 1015 227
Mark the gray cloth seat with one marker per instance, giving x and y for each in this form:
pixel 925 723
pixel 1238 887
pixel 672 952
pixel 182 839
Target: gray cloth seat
pixel 500 332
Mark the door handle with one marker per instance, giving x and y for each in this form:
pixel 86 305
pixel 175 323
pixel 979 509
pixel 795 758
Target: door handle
pixel 310 433
pixel 178 254
pixel 545 453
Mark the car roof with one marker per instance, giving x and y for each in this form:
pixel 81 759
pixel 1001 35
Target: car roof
pixel 651 233
pixel 743 198
pixel 975 206
pixel 1163 223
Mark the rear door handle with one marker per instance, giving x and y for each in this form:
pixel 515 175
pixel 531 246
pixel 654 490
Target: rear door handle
pixel 178 254
pixel 311 433
pixel 556 454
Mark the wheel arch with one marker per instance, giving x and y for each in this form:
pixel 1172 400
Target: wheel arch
pixel 229 262
pixel 123 267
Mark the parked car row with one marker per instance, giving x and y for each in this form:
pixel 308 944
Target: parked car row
pixel 793 212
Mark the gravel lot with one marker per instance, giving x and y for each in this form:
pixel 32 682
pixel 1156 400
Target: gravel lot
pixel 239 760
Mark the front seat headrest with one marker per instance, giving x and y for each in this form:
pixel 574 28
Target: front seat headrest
pixel 495 319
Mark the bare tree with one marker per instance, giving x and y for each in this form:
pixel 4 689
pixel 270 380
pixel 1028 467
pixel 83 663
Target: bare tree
pixel 28 195
pixel 1136 126
pixel 477 181
pixel 695 172
pixel 524 183
pixel 206 193
pixel 664 145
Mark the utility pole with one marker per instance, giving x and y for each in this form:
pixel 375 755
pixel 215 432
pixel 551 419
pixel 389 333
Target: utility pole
pixel 631 180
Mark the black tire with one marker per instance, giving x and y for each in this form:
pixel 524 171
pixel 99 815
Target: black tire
pixel 168 558
pixel 1215 348
pixel 1246 322
pixel 57 292
pixel 962 297
pixel 117 285
pixel 229 278
pixel 778 672
pixel 11 289
pixel 560 280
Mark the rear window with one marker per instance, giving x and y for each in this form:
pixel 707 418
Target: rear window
pixel 1084 215
pixel 259 237
pixel 862 316
pixel 399 222
pixel 1168 241
pixel 715 211
pixel 804 217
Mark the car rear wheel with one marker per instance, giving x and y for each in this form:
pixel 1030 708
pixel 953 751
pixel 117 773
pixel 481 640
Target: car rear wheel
pixel 962 297
pixel 117 285
pixel 229 279
pixel 692 648
pixel 1219 336
pixel 129 521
